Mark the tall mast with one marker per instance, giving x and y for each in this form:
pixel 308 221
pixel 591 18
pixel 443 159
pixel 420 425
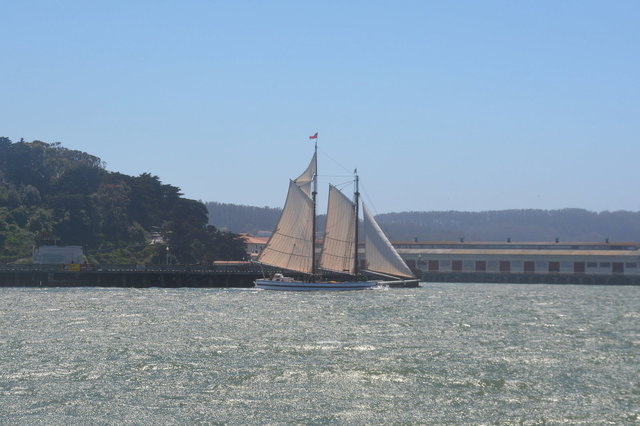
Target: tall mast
pixel 356 196
pixel 314 193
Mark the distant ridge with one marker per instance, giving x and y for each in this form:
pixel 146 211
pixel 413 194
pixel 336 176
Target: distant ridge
pixel 518 225
pixel 245 219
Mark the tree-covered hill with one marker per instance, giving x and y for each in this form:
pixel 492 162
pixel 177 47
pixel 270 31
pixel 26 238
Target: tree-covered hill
pixel 518 225
pixel 48 192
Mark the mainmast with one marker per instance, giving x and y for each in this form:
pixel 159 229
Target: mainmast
pixel 314 193
pixel 356 196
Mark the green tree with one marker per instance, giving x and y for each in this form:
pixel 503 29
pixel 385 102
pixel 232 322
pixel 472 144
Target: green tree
pixel 47 190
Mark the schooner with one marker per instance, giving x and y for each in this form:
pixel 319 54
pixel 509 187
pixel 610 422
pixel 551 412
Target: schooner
pixel 291 247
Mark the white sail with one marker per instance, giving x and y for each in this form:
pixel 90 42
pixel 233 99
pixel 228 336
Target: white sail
pixel 340 233
pixel 291 244
pixel 380 254
pixel 305 180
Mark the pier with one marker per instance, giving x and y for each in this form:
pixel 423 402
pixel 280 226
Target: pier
pixel 231 275
pixel 242 276
pixel 167 276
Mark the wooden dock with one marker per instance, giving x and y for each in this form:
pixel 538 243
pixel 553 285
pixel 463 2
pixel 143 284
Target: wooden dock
pixel 240 276
pixel 128 276
pixel 231 275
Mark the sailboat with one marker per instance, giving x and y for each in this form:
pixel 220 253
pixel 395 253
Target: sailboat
pixel 291 247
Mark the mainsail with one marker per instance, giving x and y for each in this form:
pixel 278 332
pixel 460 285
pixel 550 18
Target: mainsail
pixel 338 250
pixel 291 244
pixel 381 256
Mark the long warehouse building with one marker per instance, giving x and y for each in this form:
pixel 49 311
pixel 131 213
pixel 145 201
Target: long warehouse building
pixel 476 258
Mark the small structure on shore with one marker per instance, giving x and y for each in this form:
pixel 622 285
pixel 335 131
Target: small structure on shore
pixel 58 255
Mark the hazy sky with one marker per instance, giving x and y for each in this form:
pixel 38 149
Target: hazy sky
pixel 441 105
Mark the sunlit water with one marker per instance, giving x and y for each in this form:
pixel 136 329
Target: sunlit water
pixel 443 353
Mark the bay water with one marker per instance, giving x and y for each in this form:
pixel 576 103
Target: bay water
pixel 438 354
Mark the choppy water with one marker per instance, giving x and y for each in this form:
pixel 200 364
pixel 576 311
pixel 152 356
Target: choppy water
pixel 444 353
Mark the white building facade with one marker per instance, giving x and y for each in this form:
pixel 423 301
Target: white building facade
pixel 523 258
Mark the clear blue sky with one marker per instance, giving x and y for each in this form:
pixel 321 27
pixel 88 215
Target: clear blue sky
pixel 441 105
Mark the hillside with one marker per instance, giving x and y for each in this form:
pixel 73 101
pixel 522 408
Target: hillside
pixel 242 219
pixel 247 219
pixel 519 225
pixel 48 192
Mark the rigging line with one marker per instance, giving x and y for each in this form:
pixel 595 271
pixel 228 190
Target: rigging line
pixel 335 161
pixel 343 184
pixel 369 200
pixel 293 237
pixel 303 256
pixel 338 240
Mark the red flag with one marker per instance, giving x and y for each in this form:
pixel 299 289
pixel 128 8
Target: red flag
pixel 315 136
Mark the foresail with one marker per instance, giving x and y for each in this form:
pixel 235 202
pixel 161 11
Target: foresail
pixel 291 243
pixel 338 250
pixel 305 180
pixel 381 255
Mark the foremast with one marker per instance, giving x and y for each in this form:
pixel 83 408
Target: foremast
pixel 314 194
pixel 356 201
pixel 291 245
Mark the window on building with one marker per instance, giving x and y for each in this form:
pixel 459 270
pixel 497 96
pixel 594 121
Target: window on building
pixel 481 266
pixel 578 267
pixel 529 266
pixel 592 264
pixel 433 266
pixel 554 266
pixel 618 268
pixel 456 265
pixel 505 266
pixel 630 265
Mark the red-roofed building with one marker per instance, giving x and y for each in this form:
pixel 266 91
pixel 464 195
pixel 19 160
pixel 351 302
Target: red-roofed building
pixel 255 245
